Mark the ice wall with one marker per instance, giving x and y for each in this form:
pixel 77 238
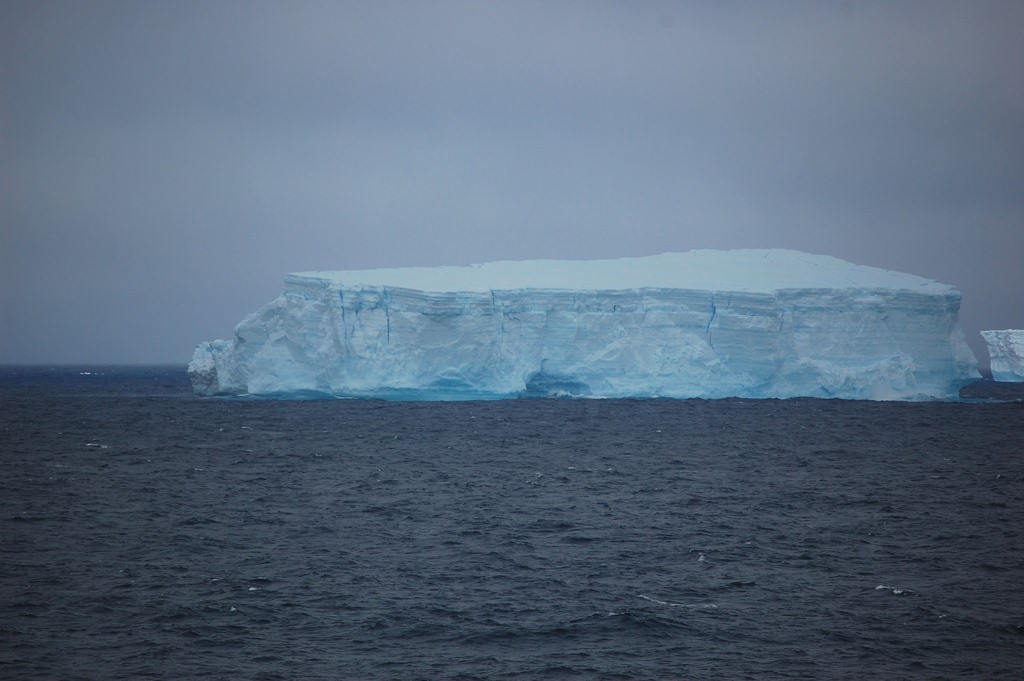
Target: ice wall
pixel 751 323
pixel 1006 351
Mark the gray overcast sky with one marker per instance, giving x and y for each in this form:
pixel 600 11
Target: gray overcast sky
pixel 164 164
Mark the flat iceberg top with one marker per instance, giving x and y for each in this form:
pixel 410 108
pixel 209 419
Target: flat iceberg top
pixel 753 270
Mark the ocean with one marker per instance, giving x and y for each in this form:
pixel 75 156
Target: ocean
pixel 149 533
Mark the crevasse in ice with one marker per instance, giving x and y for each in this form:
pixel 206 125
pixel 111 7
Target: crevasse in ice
pixel 711 324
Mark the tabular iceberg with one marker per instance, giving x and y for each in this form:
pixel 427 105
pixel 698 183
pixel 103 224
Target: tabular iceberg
pixel 711 324
pixel 1006 351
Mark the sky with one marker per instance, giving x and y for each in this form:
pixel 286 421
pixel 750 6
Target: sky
pixel 163 165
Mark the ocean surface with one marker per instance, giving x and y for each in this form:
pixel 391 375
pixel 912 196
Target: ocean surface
pixel 148 533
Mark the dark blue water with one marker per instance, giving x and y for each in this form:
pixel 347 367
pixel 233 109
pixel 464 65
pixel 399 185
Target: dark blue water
pixel 146 533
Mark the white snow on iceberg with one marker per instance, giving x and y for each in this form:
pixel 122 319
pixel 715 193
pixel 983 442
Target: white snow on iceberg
pixel 711 324
pixel 1006 352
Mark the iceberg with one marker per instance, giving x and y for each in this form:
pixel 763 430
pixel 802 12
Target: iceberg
pixel 1006 352
pixel 708 324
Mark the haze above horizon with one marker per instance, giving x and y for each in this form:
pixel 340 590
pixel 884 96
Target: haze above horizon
pixel 163 166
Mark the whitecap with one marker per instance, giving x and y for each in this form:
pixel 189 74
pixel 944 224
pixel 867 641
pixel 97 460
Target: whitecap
pixel 670 604
pixel 896 590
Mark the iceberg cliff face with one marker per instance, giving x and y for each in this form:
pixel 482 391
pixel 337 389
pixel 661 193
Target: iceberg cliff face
pixel 750 323
pixel 1006 350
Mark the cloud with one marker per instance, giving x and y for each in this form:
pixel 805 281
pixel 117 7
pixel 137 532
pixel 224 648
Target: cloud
pixel 212 147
